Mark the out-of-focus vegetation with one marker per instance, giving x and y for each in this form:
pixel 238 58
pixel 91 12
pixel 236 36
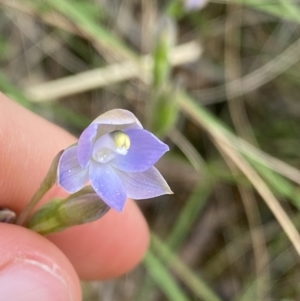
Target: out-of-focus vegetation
pixel 221 85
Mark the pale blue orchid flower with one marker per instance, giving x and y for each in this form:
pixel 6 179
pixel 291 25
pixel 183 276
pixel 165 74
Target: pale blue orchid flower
pixel 116 155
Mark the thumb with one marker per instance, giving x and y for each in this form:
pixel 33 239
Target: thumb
pixel 32 268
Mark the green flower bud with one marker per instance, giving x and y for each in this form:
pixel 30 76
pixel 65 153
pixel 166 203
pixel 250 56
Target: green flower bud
pixel 79 208
pixel 45 220
pixel 82 209
pixel 165 42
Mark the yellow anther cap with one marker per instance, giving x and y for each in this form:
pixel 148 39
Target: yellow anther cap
pixel 121 139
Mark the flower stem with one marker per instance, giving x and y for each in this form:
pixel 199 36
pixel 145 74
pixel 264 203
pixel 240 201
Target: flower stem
pixel 47 183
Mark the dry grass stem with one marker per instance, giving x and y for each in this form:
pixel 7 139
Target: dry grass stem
pixel 267 160
pixel 255 79
pixel 241 145
pixel 188 149
pixel 243 127
pixel 273 204
pixel 257 232
pixel 111 74
pixel 233 72
pixel 228 146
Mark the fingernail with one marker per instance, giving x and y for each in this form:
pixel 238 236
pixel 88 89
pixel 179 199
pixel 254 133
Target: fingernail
pixel 30 280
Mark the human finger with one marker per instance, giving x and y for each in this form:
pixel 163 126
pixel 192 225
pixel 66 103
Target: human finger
pixel 32 268
pixel 29 144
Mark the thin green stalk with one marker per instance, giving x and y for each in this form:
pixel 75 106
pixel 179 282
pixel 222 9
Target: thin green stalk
pixel 190 212
pixel 47 183
pixel 195 283
pixel 163 278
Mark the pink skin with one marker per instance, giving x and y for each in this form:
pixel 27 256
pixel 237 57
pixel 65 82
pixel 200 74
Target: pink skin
pixel 104 249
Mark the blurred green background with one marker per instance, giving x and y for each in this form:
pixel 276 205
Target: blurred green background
pixel 219 82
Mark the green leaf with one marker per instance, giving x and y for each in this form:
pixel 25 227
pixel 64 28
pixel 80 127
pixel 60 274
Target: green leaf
pixel 188 215
pixel 164 112
pixel 280 8
pixel 164 278
pixel 195 283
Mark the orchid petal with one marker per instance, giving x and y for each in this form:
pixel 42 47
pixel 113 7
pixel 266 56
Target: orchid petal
pixel 144 185
pixel 145 150
pixel 107 185
pixel 116 119
pixel 85 144
pixel 71 176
